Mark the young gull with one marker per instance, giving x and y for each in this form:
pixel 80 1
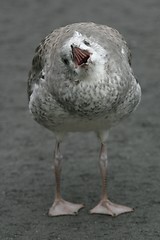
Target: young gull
pixel 81 80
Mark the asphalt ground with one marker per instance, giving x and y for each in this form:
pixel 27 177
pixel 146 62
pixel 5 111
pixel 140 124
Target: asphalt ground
pixel 26 149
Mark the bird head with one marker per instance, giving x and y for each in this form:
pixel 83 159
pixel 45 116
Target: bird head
pixel 82 54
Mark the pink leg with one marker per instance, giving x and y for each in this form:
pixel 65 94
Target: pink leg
pixel 60 206
pixel 105 206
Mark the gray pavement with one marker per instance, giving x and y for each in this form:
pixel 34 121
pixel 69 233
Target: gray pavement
pixel 26 149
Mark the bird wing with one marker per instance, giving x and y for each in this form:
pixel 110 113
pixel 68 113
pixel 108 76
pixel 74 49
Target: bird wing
pixel 118 39
pixel 40 59
pixel 37 66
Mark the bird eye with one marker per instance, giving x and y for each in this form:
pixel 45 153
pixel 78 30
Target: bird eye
pixel 86 43
pixel 65 60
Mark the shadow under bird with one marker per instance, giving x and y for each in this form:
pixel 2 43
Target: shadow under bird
pixel 81 80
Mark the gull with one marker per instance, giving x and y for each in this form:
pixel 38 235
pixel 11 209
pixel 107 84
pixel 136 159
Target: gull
pixel 81 80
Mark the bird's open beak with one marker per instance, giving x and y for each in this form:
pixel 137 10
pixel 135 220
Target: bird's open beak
pixel 80 56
